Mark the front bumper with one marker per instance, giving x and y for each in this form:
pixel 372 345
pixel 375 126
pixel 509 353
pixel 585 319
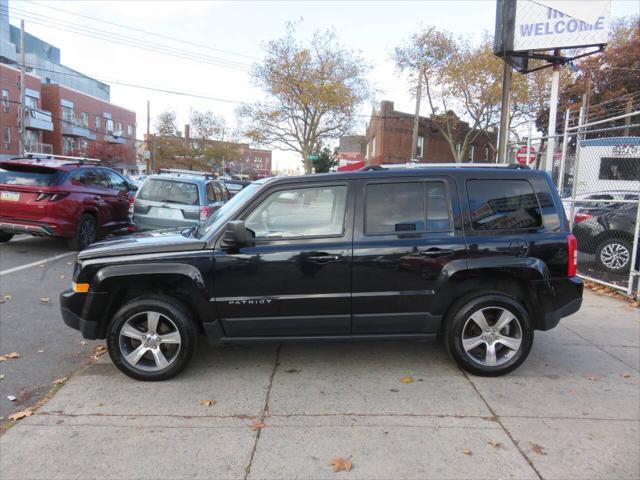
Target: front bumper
pixel 84 312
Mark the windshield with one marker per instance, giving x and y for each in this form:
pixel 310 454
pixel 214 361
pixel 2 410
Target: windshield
pixel 170 191
pixel 226 211
pixel 32 177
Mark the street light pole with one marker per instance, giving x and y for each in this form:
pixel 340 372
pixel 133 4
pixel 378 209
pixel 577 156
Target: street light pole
pixel 22 110
pixel 504 112
pixel 553 111
pixel 416 117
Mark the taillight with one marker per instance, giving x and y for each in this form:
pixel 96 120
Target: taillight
pixel 580 217
pixel 52 197
pixel 132 202
pixel 572 255
pixel 204 213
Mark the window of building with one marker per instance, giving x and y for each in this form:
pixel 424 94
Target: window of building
pixel 286 214
pixel 417 207
pixel 627 169
pixel 30 102
pixel 84 119
pixel 6 135
pixel 68 115
pixel 373 146
pixel 31 140
pixel 503 204
pixel 97 123
pixel 109 125
pixel 257 160
pixel 118 130
pixel 419 147
pixel 129 131
pixel 5 100
pixel 68 145
pixel 82 144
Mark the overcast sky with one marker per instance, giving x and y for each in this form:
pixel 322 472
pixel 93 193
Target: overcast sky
pixel 235 32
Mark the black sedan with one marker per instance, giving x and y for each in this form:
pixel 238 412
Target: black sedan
pixel 608 234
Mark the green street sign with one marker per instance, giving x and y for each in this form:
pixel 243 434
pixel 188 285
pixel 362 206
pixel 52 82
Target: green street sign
pixel 314 157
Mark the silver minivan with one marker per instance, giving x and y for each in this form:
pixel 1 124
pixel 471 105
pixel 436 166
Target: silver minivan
pixel 177 198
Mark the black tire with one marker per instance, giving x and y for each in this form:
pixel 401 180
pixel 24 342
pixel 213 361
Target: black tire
pixel 5 237
pixel 491 304
pixel 613 255
pixel 173 315
pixel 86 233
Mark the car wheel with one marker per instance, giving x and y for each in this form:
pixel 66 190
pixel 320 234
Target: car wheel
pixel 86 232
pixel 152 338
pixel 614 255
pixel 5 237
pixel 489 335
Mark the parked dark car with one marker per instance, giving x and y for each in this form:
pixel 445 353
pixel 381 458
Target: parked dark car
pixel 62 197
pixel 177 199
pixel 608 234
pixel 480 256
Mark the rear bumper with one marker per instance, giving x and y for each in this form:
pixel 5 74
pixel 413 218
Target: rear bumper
pixel 35 229
pixel 84 312
pixel 563 299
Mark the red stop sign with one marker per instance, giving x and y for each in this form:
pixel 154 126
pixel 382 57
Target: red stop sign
pixel 524 158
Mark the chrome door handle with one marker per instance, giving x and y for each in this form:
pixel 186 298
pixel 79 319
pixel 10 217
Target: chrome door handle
pixel 325 258
pixel 436 252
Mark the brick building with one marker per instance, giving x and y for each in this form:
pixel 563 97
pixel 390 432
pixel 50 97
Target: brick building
pixel 389 134
pixel 38 120
pixel 79 119
pixel 351 150
pixel 256 161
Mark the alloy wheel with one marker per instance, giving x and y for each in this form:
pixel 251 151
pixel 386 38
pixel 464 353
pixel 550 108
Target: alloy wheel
pixel 615 256
pixel 149 341
pixel 87 233
pixel 491 336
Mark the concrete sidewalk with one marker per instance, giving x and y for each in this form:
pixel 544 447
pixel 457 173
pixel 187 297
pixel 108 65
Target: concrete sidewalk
pixel 571 411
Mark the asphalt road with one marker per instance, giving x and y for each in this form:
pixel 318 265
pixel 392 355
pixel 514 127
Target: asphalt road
pixel 33 269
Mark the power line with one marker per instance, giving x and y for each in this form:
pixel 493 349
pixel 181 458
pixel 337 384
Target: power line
pixel 147 32
pixel 129 41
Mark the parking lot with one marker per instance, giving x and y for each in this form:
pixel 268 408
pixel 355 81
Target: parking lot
pixel 395 410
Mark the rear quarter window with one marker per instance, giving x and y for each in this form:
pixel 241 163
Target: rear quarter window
pixel 503 205
pixel 170 191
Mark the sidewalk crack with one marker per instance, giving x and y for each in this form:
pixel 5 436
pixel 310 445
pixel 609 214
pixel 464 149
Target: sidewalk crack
pixel 265 412
pixel 499 421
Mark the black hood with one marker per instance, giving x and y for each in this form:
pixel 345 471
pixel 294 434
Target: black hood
pixel 152 242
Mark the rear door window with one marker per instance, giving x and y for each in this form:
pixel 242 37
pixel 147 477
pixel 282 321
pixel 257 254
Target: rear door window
pixel 211 194
pixel 170 191
pixel 503 204
pixel 416 207
pixel 116 181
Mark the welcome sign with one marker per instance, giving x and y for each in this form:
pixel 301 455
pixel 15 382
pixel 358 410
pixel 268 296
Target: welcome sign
pixel 560 24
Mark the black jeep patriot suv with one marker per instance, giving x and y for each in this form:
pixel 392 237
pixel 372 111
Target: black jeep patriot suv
pixel 480 256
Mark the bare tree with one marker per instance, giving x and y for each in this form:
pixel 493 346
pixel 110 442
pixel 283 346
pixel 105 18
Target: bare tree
pixel 313 91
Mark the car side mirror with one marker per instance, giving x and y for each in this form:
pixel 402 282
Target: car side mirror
pixel 237 235
pixel 133 187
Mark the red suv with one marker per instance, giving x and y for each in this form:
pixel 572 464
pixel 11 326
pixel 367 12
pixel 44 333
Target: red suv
pixel 62 197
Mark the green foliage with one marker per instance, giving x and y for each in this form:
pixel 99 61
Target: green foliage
pixel 325 162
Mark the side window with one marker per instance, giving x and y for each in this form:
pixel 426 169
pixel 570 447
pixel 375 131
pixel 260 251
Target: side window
pixel 225 193
pixel 503 204
pixel 394 207
pixel 78 178
pixel 438 206
pixel 100 179
pixel 117 182
pixel 211 195
pixel 219 193
pixel 301 212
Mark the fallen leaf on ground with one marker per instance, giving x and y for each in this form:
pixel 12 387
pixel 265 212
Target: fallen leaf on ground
pixel 256 425
pixel 8 297
pixel 407 380
pixel 99 350
pixel 18 415
pixel 1 376
pixel 62 277
pixel 292 370
pixel 626 375
pixel 40 351
pixel 69 263
pixel 45 299
pixel 12 355
pixel 100 405
pixel 494 444
pixel 11 398
pixel 42 265
pixel 83 342
pixel 466 451
pixel 208 403
pixel 539 449
pixel 592 378
pixel 341 464
pixel 60 381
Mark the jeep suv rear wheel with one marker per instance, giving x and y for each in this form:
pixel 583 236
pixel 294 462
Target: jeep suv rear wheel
pixel 489 335
pixel 152 338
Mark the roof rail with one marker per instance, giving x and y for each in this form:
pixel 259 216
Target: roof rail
pixel 389 166
pixel 179 171
pixel 62 158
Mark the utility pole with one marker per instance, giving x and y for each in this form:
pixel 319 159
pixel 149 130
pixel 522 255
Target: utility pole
pixel 148 160
pixel 503 134
pixel 416 118
pixel 553 111
pixel 21 110
pixel 153 155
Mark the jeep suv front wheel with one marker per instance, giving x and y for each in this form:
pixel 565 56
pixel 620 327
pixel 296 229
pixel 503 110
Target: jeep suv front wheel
pixel 489 335
pixel 151 338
